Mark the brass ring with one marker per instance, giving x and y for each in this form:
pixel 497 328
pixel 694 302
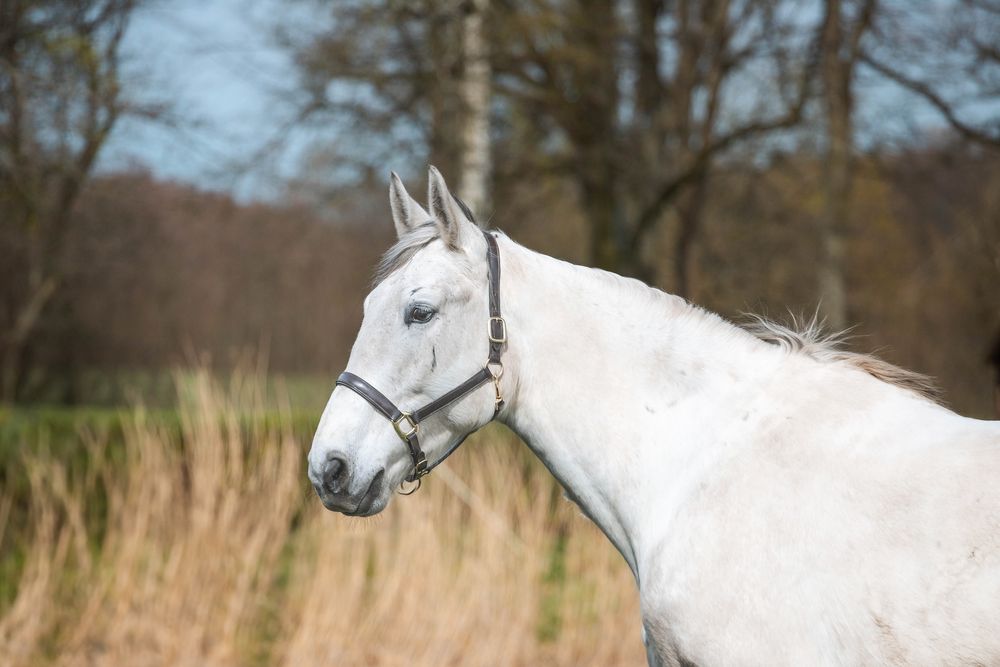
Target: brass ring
pixel 411 491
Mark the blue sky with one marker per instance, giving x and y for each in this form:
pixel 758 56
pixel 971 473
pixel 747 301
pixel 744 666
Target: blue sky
pixel 213 62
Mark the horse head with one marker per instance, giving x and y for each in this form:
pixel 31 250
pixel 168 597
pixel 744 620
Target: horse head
pixel 421 336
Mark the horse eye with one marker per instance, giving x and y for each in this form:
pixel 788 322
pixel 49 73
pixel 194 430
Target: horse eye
pixel 419 314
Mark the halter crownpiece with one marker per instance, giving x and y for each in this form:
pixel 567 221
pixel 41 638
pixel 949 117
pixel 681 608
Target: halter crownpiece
pixel 407 424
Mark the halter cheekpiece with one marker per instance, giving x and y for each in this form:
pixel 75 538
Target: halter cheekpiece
pixel 407 424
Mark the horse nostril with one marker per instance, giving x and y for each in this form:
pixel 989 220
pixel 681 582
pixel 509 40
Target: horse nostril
pixel 335 476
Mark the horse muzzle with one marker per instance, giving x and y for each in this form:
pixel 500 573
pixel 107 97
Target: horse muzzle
pixel 340 489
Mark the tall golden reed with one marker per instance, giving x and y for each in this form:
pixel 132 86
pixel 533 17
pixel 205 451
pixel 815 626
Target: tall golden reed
pixel 214 552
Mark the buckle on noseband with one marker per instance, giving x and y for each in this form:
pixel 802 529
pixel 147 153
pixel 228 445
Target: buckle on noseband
pixel 419 470
pixel 397 424
pixel 495 336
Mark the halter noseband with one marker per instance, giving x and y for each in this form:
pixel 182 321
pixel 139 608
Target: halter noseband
pixel 407 424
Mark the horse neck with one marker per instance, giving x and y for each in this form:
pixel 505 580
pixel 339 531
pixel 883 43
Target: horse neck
pixel 616 387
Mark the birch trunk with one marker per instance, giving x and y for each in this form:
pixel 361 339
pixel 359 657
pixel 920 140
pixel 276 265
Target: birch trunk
pixel 475 93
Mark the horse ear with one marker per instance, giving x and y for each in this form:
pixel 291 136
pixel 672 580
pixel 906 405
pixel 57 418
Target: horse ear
pixel 446 211
pixel 406 212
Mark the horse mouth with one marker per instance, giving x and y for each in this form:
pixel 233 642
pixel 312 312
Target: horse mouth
pixel 369 503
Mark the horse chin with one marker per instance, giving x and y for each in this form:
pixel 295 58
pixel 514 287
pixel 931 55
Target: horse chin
pixel 371 504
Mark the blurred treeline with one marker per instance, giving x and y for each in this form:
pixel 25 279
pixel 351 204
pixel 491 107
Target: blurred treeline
pixel 765 156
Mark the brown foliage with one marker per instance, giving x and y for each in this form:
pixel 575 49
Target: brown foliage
pixel 161 273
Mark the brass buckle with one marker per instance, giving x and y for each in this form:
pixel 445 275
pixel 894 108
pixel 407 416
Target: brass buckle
pixel 502 338
pixel 397 424
pixel 421 469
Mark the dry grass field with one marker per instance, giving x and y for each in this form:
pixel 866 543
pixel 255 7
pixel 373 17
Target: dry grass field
pixel 203 545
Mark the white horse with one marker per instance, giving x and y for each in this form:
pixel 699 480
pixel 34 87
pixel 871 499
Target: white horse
pixel 778 501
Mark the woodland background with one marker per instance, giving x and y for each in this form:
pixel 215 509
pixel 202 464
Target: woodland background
pixel 760 155
pixel 182 266
pixel 751 156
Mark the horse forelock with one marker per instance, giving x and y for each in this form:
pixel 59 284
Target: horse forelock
pixel 403 250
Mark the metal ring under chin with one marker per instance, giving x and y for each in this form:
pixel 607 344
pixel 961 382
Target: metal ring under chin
pixel 411 491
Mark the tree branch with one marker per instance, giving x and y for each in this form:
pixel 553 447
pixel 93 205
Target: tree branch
pixel 935 99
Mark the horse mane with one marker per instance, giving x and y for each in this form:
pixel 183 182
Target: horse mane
pixel 403 250
pixel 807 337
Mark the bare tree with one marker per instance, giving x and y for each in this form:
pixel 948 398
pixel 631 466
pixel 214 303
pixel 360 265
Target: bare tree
pixel 946 56
pixel 566 64
pixel 635 104
pixel 60 96
pixel 416 76
pixel 392 71
pixel 558 70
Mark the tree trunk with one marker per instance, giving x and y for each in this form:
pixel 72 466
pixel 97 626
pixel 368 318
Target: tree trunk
pixel 475 93
pixel 443 46
pixel 689 212
pixel 837 167
pixel 840 53
pixel 47 158
pixel 16 341
pixel 597 188
pixel 648 85
pixel 593 130
pixel 994 360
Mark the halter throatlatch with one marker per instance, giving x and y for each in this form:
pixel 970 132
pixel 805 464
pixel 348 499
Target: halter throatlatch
pixel 407 424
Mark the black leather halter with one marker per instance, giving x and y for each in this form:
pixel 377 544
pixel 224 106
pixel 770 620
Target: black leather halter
pixel 407 424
